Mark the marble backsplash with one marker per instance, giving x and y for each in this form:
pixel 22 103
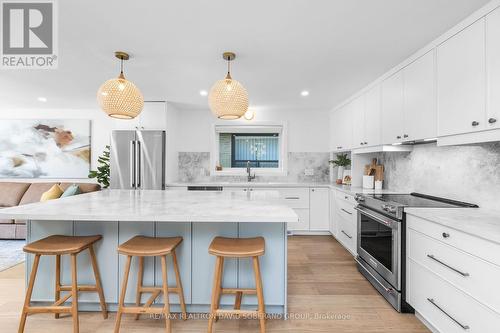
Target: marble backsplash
pixel 466 173
pixel 195 167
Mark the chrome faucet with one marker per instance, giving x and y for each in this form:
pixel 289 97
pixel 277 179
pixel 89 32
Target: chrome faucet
pixel 249 177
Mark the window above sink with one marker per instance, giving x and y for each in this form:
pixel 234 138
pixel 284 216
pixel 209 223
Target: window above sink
pixel 262 146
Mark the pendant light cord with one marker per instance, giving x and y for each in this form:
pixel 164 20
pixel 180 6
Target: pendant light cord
pixel 228 66
pixel 121 65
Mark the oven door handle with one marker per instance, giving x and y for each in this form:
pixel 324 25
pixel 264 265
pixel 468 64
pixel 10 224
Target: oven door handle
pixel 387 290
pixel 379 218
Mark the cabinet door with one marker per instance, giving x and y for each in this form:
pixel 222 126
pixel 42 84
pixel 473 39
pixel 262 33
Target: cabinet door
pixel 392 109
pixel 420 115
pixel 334 125
pixel 358 121
pixel 341 128
pixel 493 68
pixel 333 219
pixel 319 211
pixel 461 90
pixel 345 126
pixel 373 117
pixel 303 224
pixel 153 116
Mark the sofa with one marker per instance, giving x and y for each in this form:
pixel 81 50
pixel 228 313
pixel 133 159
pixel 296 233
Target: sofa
pixel 17 193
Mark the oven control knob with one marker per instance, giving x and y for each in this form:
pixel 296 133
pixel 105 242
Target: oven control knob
pixel 389 208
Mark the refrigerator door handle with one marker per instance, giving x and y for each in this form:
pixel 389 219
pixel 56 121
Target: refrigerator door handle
pixel 138 159
pixel 132 164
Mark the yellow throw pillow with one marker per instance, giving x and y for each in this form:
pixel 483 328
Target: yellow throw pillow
pixel 54 192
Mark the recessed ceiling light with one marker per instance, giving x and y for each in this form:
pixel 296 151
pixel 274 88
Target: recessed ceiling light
pixel 42 99
pixel 203 93
pixel 304 93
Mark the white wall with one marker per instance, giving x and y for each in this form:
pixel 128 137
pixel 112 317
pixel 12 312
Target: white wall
pixel 101 124
pixel 307 129
pixel 172 129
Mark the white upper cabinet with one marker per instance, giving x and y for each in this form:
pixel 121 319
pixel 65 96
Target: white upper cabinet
pixel 373 117
pixel 461 89
pixel 358 121
pixel 420 114
pixel 152 117
pixel 493 69
pixel 392 109
pixel 341 128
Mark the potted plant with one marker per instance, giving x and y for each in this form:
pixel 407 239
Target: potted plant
pixel 102 172
pixel 341 162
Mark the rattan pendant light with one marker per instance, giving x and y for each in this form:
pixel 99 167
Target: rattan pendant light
pixel 120 98
pixel 228 99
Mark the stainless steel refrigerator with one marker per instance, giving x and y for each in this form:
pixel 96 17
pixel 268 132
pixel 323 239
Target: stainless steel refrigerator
pixel 137 160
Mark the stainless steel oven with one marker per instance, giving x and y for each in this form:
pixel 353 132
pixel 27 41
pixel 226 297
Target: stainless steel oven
pixel 381 240
pixel 379 244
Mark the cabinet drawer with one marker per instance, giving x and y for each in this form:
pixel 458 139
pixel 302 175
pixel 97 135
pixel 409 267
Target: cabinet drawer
pixel 292 197
pixel 451 307
pixel 471 244
pixel 474 276
pixel 303 223
pixel 345 209
pixel 347 233
pixel 345 197
pixel 295 197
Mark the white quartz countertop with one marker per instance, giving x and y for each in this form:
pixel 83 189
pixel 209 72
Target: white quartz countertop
pixel 344 188
pixel 159 206
pixel 478 222
pixel 253 184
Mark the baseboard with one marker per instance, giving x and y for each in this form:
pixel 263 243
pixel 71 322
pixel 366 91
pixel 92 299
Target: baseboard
pixel 308 233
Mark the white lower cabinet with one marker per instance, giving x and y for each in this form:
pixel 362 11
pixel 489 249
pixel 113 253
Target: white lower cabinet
pixel 319 209
pixel 303 224
pixel 347 222
pixel 447 308
pixel 333 218
pixel 452 278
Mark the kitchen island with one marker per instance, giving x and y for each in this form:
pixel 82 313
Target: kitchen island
pixel 198 217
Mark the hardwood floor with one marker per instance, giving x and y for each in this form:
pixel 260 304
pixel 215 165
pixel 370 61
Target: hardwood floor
pixel 322 279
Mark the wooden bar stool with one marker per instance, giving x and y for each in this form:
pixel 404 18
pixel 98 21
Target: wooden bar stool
pixel 236 248
pixel 58 245
pixel 141 246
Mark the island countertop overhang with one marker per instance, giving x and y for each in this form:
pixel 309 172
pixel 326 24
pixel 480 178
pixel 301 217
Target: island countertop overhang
pixel 159 206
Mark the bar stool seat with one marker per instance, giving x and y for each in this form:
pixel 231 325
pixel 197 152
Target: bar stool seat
pixel 237 247
pixel 142 246
pixel 59 244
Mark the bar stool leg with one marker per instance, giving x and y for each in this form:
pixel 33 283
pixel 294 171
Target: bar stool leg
pixel 29 291
pixel 58 282
pixel 138 294
pixel 98 284
pixel 74 294
pixel 166 310
pixel 122 294
pixel 215 291
pixel 260 294
pixel 219 285
pixel 179 286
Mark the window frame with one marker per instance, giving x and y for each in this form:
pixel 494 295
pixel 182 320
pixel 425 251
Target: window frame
pixel 257 128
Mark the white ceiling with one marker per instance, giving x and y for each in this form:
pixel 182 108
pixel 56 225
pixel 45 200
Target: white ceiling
pixel 330 47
